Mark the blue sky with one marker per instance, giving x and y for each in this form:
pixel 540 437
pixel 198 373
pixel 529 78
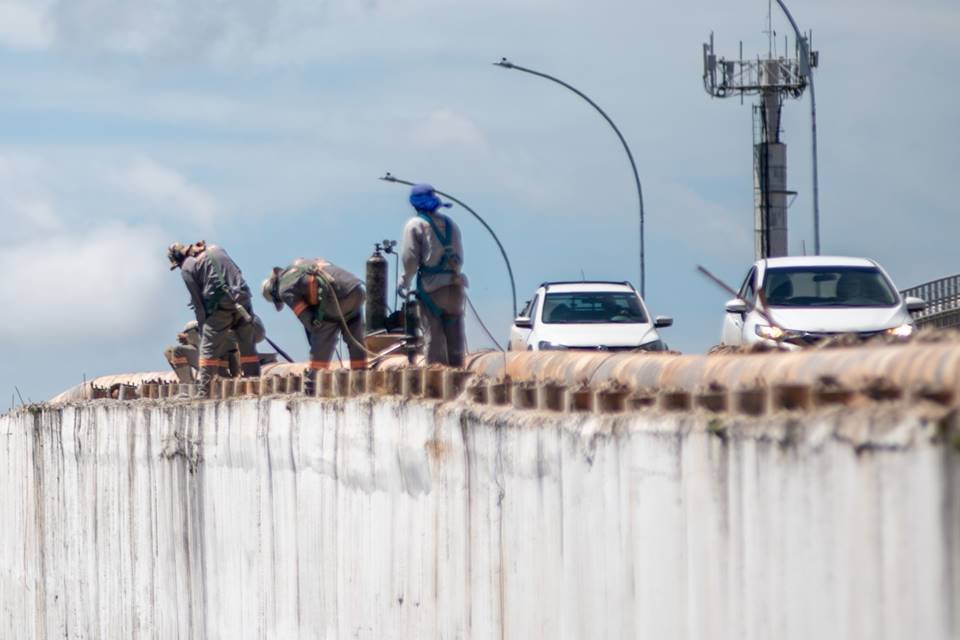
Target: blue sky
pixel 262 125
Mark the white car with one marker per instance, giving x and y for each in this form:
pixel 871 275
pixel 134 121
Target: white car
pixel 596 316
pixel 813 297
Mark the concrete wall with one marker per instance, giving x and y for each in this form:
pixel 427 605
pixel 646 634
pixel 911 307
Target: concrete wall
pixel 384 518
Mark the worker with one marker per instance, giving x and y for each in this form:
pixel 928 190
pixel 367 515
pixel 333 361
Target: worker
pixel 221 301
pixel 328 301
pixel 185 355
pixel 431 249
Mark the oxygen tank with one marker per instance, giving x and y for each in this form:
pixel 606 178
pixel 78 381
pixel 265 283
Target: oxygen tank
pixel 376 305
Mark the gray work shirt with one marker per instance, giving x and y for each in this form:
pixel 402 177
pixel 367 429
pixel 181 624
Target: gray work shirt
pixel 299 288
pixel 214 281
pixel 421 246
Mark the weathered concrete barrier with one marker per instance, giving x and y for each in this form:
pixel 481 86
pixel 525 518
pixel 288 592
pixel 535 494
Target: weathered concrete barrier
pixel 383 517
pixel 603 382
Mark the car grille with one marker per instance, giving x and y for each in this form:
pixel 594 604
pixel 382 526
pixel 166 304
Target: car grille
pixel 809 337
pixel 604 348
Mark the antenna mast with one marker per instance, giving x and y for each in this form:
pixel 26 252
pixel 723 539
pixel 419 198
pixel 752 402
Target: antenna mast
pixel 772 79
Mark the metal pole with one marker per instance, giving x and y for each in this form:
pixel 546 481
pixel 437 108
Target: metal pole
pixel 506 64
pixel 513 287
pixel 805 61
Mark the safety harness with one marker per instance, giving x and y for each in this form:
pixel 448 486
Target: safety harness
pixel 444 266
pixel 317 286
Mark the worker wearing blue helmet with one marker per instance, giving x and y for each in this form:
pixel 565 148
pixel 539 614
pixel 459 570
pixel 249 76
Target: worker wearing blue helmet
pixel 432 250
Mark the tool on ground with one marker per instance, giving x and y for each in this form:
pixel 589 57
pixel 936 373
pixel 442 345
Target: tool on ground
pixel 278 349
pixel 248 319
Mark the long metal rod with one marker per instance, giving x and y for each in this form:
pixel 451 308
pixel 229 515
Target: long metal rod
pixel 506 64
pixel 278 349
pixel 805 52
pixel 513 286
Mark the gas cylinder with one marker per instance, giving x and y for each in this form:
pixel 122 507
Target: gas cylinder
pixel 376 305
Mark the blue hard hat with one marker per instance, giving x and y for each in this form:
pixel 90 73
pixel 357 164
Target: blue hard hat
pixel 420 189
pixel 423 198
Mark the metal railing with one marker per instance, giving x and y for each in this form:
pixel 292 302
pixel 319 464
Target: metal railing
pixel 943 302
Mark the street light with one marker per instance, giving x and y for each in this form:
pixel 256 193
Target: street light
pixel 389 177
pixel 506 64
pixel 805 65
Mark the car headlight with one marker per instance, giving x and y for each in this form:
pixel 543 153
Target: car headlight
pixel 546 345
pixel 769 332
pixel 903 331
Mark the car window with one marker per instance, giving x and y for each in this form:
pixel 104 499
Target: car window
pixel 532 309
pixel 525 312
pixel 828 286
pixel 593 307
pixel 747 290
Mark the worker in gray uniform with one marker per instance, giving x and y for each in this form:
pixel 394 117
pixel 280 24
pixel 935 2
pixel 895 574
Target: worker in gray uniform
pixel 432 250
pixel 221 302
pixel 327 300
pixel 184 356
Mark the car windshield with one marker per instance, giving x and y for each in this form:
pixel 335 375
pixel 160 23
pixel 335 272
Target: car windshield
pixel 828 287
pixel 593 307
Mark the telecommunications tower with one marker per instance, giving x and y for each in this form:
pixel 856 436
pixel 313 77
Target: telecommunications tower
pixel 773 79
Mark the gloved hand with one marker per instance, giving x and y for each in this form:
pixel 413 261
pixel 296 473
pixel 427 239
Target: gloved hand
pixel 402 291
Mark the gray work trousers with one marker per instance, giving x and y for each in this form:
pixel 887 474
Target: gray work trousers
pixel 220 329
pixel 185 359
pixel 443 335
pixel 322 336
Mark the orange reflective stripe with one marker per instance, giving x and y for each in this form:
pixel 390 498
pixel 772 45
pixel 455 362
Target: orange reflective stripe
pixel 312 296
pixel 358 364
pixel 184 360
pixel 318 365
pixel 300 307
pixel 253 358
pixel 210 362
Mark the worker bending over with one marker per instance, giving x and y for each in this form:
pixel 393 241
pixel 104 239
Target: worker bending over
pixel 327 300
pixel 221 301
pixel 432 250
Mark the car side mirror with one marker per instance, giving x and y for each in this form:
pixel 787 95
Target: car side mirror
pixel 662 321
pixel 523 322
pixel 736 306
pixel 915 304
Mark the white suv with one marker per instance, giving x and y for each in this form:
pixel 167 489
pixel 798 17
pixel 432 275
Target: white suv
pixel 814 297
pixel 596 316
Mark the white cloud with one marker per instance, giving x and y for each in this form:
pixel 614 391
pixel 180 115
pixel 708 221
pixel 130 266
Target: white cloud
pixel 24 25
pixel 703 225
pixel 169 191
pixel 164 27
pixel 444 127
pixel 26 206
pixel 99 284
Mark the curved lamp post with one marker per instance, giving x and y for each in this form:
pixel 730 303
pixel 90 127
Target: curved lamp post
pixel 388 177
pixel 506 64
pixel 805 64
